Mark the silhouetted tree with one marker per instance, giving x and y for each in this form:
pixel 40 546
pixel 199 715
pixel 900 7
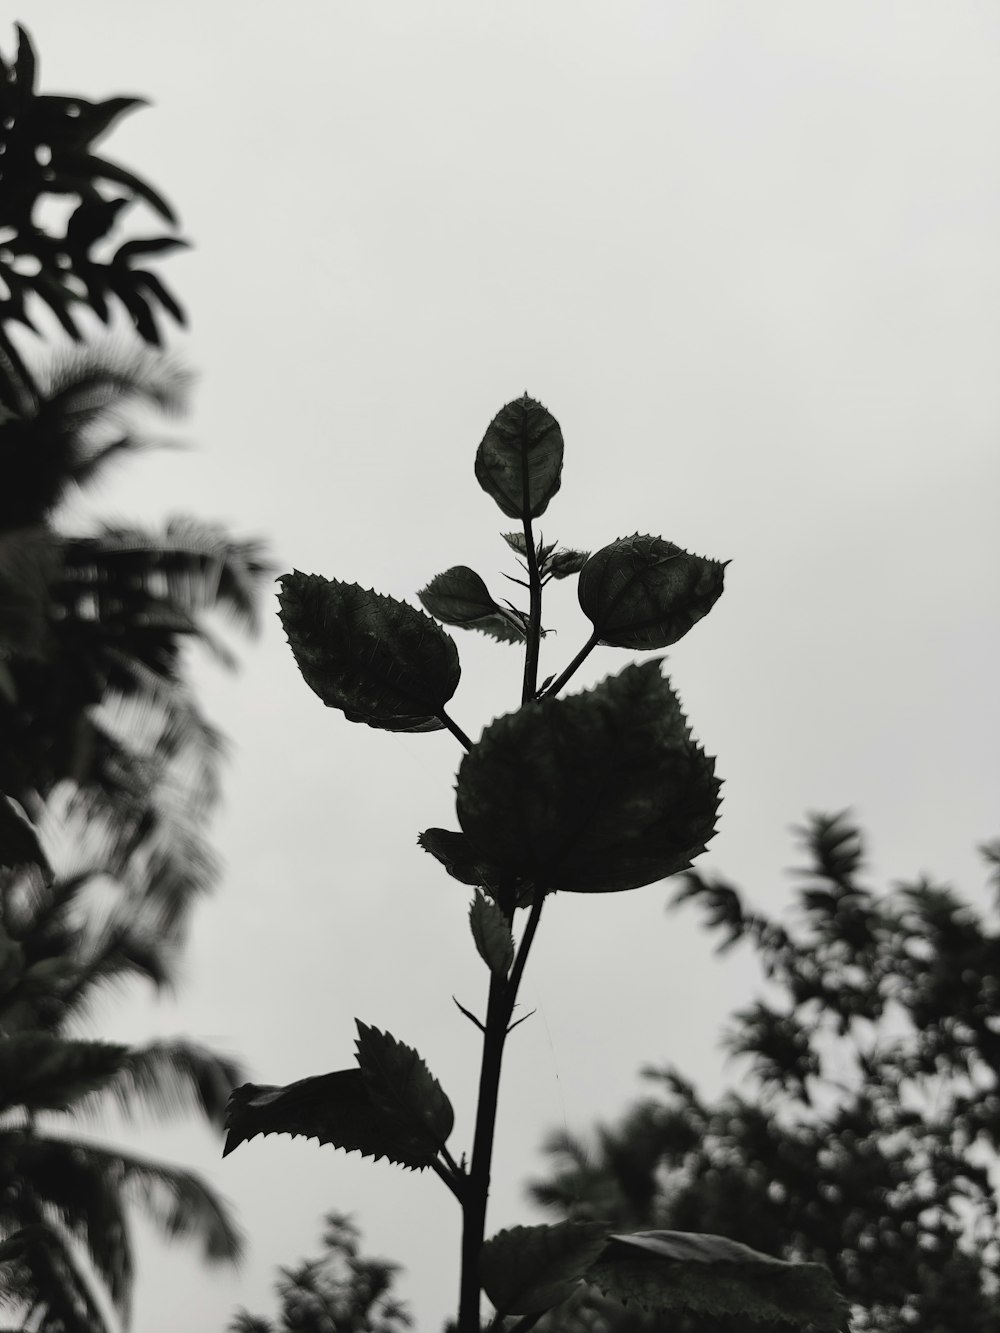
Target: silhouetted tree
pixel 865 1135
pixel 339 1292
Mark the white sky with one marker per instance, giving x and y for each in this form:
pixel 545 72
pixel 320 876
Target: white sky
pixel 748 255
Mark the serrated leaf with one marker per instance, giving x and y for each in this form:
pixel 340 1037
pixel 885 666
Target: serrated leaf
pixel 459 857
pixel 566 562
pixel 595 793
pixel 403 1088
pixel 643 592
pixel 528 1270
pixel 379 660
pixel 460 597
pixel 676 1270
pixel 519 462
pixel 335 1108
pixel 492 934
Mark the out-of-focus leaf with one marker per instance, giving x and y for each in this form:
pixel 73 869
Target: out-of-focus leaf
pixel 19 845
pixel 643 592
pixel 43 1072
pixel 379 660
pixel 527 1270
pixel 519 462
pixel 595 793
pixel 664 1271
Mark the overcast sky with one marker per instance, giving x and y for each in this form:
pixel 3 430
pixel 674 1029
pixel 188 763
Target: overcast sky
pixel 748 255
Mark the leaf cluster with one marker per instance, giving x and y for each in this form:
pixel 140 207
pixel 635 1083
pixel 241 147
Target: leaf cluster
pixel 47 150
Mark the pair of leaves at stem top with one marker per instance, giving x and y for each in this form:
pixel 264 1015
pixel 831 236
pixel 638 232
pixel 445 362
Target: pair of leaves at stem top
pixel 390 1106
pixel 599 792
pixel 528 1270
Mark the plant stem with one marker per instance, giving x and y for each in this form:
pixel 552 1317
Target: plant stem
pixel 455 729
pixel 530 688
pixel 584 652
pixel 503 996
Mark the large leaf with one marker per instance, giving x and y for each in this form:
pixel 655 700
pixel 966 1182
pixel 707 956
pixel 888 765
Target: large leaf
pixel 333 1108
pixel 43 1072
pixel 519 462
pixel 527 1270
pixel 460 597
pixel 595 793
pixel 677 1270
pixel 492 934
pixel 379 660
pixel 643 592
pixel 403 1088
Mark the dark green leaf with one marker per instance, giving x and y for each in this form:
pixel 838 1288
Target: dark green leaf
pixel 492 934
pixel 519 462
pixel 594 793
pixel 460 597
pixel 403 1088
pixel 676 1270
pixel 379 660
pixel 332 1108
pixel 527 1270
pixel 643 592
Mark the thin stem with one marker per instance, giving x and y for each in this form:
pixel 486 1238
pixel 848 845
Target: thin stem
pixel 503 996
pixel 530 688
pixel 451 1162
pixel 448 1176
pixel 584 652
pixel 455 729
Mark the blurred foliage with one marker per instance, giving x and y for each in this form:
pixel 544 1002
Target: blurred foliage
pixel 62 1195
pixel 340 1292
pixel 865 1133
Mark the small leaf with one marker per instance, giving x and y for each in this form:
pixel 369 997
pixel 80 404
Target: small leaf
pixel 516 542
pixel 459 857
pixel 595 793
pixel 677 1270
pixel 332 1108
pixel 528 1270
pixel 492 935
pixel 460 597
pixel 519 462
pixel 380 661
pixel 404 1089
pixel 566 562
pixel 643 592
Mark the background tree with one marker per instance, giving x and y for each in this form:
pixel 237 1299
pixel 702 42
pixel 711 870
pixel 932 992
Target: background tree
pixel 340 1292
pixel 55 1187
pixel 868 1137
pixel 101 737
